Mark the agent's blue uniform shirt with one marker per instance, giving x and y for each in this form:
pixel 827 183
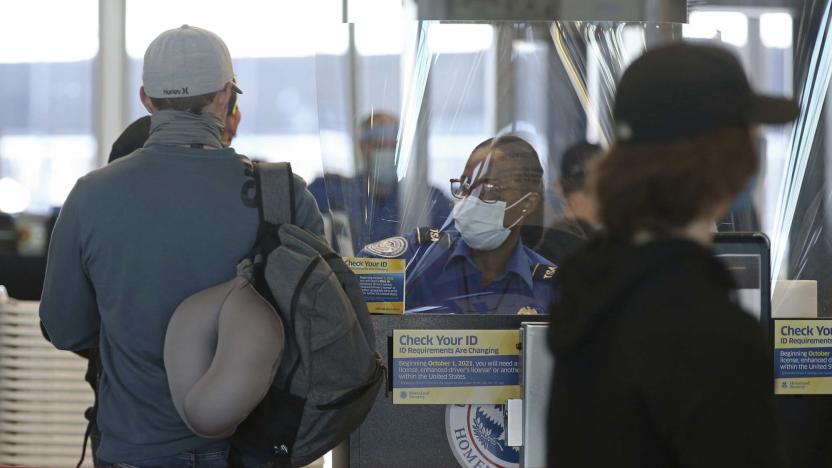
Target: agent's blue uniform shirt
pixel 348 206
pixel 441 276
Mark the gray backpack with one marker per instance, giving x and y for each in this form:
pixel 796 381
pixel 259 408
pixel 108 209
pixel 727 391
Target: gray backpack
pixel 330 373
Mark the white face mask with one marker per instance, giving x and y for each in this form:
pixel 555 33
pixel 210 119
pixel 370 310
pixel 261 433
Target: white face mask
pixel 481 223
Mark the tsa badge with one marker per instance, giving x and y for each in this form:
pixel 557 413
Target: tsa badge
pixel 391 247
pixel 477 436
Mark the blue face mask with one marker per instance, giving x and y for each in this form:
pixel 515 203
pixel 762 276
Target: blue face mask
pixel 481 224
pixel 383 167
pixel 745 200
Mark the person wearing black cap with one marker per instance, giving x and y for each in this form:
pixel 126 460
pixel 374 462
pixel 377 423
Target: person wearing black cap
pixel 657 366
pixel 580 220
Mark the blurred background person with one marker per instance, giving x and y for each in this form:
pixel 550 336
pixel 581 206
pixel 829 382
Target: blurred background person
pixel 657 365
pixel 580 220
pixel 131 139
pixel 481 264
pixel 368 207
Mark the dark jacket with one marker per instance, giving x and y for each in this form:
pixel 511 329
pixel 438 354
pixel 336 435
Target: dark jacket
pixel 656 365
pixel 564 238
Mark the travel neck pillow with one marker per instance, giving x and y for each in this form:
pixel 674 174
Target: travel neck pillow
pixel 222 350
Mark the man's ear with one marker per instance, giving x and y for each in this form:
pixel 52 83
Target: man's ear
pixel 222 97
pixel 146 102
pixel 230 131
pixel 232 122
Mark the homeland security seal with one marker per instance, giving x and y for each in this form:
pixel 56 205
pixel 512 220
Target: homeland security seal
pixel 477 436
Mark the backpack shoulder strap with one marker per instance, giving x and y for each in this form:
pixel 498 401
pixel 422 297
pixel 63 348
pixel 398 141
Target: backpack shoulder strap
pixel 275 192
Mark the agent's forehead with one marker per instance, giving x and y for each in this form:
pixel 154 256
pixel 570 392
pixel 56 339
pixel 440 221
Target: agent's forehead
pixel 496 164
pixel 483 162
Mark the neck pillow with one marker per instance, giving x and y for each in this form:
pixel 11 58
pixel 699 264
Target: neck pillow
pixel 222 350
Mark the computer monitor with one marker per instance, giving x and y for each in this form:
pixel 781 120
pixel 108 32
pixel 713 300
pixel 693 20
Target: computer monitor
pixel 747 255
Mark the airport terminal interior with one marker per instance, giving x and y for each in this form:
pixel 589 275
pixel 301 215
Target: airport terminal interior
pixel 385 109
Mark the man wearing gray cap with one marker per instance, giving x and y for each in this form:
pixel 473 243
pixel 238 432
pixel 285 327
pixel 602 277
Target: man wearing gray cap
pixel 138 236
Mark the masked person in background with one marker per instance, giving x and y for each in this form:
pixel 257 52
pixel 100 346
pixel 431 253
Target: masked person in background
pixel 369 207
pixel 580 220
pixel 480 265
pixel 657 365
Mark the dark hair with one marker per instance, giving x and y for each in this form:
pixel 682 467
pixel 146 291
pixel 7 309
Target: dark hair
pixel 661 187
pixel 530 177
pixel 193 104
pixel 573 166
pixel 381 116
pixel 375 121
pixel 530 173
pixel 131 139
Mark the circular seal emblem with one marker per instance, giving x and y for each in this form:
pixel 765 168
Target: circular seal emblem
pixel 391 247
pixel 476 434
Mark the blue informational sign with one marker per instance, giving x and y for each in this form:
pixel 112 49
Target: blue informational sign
pixel 455 366
pixel 803 357
pixel 382 283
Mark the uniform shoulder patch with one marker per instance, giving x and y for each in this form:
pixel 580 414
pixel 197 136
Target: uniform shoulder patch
pixel 391 247
pixel 544 272
pixel 428 235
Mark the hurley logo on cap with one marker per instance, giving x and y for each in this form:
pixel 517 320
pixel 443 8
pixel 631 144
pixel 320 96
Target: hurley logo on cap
pixel 176 92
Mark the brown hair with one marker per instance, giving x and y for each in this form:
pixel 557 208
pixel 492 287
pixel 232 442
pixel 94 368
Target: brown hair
pixel 193 104
pixel 661 187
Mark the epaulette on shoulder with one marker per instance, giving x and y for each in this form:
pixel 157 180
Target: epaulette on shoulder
pixel 544 272
pixel 428 235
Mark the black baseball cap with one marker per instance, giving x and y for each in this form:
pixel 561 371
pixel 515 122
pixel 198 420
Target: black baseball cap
pixel 684 90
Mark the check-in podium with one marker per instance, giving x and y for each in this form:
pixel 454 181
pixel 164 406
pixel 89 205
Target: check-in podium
pixel 415 436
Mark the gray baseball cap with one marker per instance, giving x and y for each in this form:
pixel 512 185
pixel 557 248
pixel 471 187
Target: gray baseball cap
pixel 186 61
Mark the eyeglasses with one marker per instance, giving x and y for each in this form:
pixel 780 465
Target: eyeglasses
pixel 232 105
pixel 482 189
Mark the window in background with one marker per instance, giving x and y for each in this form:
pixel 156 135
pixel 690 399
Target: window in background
pixel 462 69
pixel 385 40
pixel 546 111
pixel 46 91
pixel 732 25
pixel 379 48
pixel 762 38
pixel 274 47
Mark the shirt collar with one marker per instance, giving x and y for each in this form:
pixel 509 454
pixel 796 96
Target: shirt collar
pixel 519 263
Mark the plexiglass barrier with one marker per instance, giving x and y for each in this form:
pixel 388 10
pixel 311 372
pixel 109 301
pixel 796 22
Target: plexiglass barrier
pixel 456 150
